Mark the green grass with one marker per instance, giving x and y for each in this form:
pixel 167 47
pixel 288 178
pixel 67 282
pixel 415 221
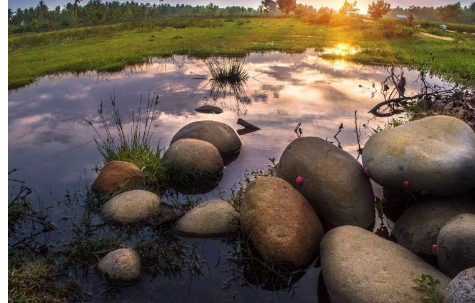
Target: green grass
pixel 113 47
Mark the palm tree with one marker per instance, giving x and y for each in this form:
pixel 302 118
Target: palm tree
pixel 76 4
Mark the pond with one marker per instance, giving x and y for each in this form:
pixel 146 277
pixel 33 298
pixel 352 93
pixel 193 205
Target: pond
pixel 53 147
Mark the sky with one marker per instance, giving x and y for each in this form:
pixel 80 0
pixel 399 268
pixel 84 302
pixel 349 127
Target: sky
pixel 362 4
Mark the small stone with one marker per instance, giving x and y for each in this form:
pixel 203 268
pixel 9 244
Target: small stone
pixel 209 109
pixel 117 174
pixel 456 244
pixel 132 207
pixel 215 218
pixel 120 265
pixel 462 288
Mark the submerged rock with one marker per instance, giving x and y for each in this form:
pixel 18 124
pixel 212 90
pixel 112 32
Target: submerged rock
pixel 215 218
pixel 117 174
pixel 209 109
pixel 247 125
pixel 132 207
pixel 361 267
pixel 462 288
pixel 417 229
pixel 456 244
pixel 332 181
pixel 120 265
pixel 221 135
pixel 193 165
pixel 280 222
pixel 434 155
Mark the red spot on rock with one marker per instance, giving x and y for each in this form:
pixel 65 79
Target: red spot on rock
pixel 299 180
pixel 434 249
pixel 367 173
pixel 406 183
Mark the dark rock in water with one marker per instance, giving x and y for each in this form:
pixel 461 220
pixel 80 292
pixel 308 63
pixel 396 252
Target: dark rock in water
pixel 360 267
pixel 417 229
pixel 462 288
pixel 116 175
pixel 434 155
pixel 120 265
pixel 209 109
pixel 194 165
pixel 331 180
pixel 215 218
pixel 244 131
pixel 456 245
pixel 280 222
pixel 221 135
pixel 168 214
pixel 246 124
pixel 397 202
pixel 132 207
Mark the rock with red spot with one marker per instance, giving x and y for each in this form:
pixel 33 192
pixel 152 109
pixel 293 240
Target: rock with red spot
pixel 434 154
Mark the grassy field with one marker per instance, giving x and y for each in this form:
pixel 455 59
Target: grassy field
pixel 112 47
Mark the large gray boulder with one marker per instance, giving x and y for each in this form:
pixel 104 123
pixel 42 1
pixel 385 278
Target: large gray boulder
pixel 120 265
pixel 361 267
pixel 132 207
pixel 417 229
pixel 333 181
pixel 434 155
pixel 456 244
pixel 116 175
pixel 221 135
pixel 215 218
pixel 193 164
pixel 280 222
pixel 462 288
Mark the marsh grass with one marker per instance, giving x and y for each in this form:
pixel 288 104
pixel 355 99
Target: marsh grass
pixel 135 146
pixel 228 70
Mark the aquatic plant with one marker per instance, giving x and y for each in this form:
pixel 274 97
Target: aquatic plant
pixel 134 147
pixel 227 71
pixel 427 283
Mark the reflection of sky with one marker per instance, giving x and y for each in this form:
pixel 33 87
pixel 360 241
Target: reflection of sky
pixel 52 145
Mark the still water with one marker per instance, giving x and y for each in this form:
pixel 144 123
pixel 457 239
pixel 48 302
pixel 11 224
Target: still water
pixel 53 148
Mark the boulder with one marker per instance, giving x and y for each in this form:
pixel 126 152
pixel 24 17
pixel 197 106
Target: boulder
pixel 193 164
pixel 332 181
pixel 209 109
pixel 462 288
pixel 215 218
pixel 361 267
pixel 456 244
pixel 417 229
pixel 132 207
pixel 221 135
pixel 280 222
pixel 434 155
pixel 120 265
pixel 117 174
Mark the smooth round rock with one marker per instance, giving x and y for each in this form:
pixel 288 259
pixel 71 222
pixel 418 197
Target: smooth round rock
pixel 361 267
pixel 417 229
pixel 435 155
pixel 209 109
pixel 130 207
pixel 120 265
pixel 221 135
pixel 333 181
pixel 117 174
pixel 456 244
pixel 215 218
pixel 193 163
pixel 462 288
pixel 280 222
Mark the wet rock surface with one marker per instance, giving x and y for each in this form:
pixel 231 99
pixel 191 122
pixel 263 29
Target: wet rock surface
pixel 361 267
pixel 193 165
pixel 132 207
pixel 120 265
pixel 332 181
pixel 462 288
pixel 280 222
pixel 215 218
pixel 117 174
pixel 417 229
pixel 456 244
pixel 209 109
pixel 434 155
pixel 221 135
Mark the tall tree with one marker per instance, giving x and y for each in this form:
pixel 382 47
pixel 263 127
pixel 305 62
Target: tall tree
pixel 286 6
pixel 349 8
pixel 378 9
pixel 450 12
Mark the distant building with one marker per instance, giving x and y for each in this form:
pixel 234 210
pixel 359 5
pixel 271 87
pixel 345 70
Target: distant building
pixel 401 16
